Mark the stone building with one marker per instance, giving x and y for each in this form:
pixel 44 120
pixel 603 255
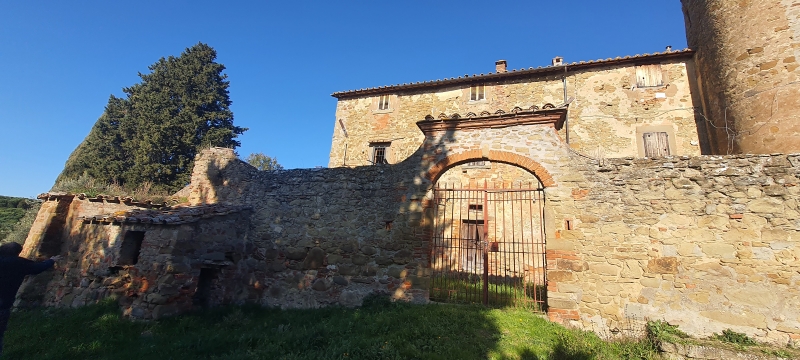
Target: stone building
pixel 639 105
pixel 578 190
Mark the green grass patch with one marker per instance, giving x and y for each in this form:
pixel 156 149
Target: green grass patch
pixel 379 330
pixel 733 337
pixel 469 290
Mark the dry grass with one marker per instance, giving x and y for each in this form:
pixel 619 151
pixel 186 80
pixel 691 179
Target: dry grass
pixel 91 187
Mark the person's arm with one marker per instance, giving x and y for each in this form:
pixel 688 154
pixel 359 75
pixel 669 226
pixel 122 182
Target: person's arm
pixel 34 267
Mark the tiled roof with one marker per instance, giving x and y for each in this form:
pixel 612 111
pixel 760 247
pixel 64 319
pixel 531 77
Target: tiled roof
pixel 171 216
pixel 514 73
pixel 127 200
pixel 547 114
pixel 499 112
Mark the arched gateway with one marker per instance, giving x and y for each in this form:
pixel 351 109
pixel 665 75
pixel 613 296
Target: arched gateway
pixel 488 241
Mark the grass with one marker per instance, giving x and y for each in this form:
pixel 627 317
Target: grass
pixel 92 187
pixel 379 330
pixel 502 293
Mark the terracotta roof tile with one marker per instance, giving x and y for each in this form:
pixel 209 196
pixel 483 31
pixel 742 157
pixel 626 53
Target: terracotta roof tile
pixel 638 58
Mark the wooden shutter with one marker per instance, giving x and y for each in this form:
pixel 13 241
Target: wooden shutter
pixel 656 144
pixel 649 75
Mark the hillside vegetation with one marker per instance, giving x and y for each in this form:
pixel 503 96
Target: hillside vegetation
pixel 14 212
pixel 152 134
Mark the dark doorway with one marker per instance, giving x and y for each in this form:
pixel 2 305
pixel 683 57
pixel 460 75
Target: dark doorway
pixel 203 293
pixel 131 245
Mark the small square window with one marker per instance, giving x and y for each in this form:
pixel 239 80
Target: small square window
pixel 477 92
pixel 383 102
pixel 656 144
pixel 649 76
pixel 380 153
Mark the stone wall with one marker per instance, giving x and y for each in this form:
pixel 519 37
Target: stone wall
pixel 605 114
pixel 707 243
pixel 704 242
pixel 747 66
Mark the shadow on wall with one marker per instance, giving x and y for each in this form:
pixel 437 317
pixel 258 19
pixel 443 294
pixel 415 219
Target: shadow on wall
pixel 319 237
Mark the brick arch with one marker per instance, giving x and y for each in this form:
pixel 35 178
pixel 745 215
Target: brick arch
pixel 494 155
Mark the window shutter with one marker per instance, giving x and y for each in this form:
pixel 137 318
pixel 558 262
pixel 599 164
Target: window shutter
pixel 656 144
pixel 649 75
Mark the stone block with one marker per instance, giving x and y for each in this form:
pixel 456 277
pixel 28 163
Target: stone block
pixel 766 205
pixel 402 257
pixel 663 265
pixel 383 260
pixel 314 259
pixel 567 304
pixel 572 265
pixel 360 259
pixel 368 250
pixel 293 253
pixel 605 269
pixel 559 276
pixel 719 251
pixel 397 272
pixel 650 282
pixel 737 318
pixel 320 285
pixel 560 244
pixel 350 299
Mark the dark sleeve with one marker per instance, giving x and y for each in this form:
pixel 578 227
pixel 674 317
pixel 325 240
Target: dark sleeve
pixel 34 267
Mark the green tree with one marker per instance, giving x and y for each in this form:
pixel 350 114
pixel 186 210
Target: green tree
pixel 263 162
pixel 153 134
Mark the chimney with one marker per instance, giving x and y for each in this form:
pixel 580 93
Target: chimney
pixel 669 48
pixel 500 66
pixel 558 61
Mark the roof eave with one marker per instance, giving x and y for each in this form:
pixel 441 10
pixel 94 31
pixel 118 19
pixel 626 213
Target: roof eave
pixel 516 74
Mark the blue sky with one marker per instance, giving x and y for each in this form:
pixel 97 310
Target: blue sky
pixel 62 60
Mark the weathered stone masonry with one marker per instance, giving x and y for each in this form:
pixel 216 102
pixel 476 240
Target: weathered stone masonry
pixel 705 242
pixel 708 243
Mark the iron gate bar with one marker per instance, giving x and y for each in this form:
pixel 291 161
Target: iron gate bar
pixel 504 265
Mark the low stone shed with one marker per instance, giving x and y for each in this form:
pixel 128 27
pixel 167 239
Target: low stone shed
pixel 705 242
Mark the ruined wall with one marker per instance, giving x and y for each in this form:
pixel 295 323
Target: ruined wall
pixel 707 243
pixel 163 276
pixel 336 235
pixel 747 67
pixel 603 120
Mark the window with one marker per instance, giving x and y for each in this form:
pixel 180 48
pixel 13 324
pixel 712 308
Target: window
pixel 380 153
pixel 649 75
pixel 656 144
pixel 477 92
pixel 129 250
pixel 480 164
pixel 383 102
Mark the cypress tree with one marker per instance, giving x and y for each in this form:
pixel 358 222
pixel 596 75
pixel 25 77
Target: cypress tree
pixel 153 134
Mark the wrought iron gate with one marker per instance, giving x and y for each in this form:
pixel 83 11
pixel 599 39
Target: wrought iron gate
pixel 489 246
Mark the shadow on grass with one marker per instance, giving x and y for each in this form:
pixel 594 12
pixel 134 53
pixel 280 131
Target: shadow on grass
pixel 379 330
